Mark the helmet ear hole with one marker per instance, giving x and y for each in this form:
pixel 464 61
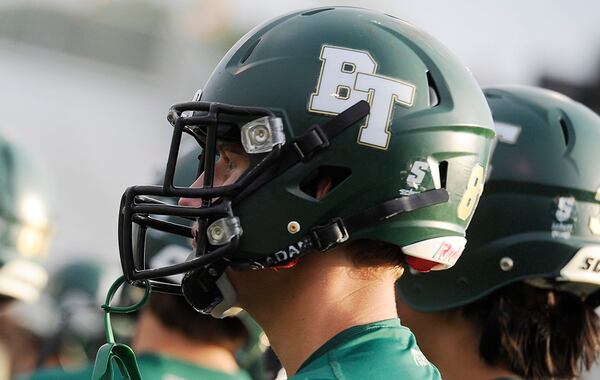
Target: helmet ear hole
pixel 434 95
pixel 443 168
pixel 565 130
pixel 336 174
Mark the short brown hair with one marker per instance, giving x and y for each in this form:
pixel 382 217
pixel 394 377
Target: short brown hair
pixel 175 313
pixel 375 254
pixel 536 333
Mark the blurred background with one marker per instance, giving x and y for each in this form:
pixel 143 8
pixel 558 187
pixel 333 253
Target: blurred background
pixel 85 84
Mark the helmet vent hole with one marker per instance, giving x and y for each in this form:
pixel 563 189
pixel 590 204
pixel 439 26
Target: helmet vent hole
pixel 309 185
pixel 434 95
pixel 443 168
pixel 249 51
pixel 565 130
pixel 315 11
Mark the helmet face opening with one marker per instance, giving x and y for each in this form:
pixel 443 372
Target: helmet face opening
pixel 206 122
pixel 218 227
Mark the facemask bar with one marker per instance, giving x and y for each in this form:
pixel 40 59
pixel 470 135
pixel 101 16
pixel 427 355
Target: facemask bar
pixel 138 206
pixel 137 202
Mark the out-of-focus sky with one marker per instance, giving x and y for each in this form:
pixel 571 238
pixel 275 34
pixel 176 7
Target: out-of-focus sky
pixel 85 84
pixel 501 41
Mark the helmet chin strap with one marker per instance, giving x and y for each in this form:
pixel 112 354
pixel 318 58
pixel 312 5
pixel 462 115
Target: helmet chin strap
pixel 229 297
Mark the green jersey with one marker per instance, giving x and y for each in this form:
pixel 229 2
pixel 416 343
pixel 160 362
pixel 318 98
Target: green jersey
pixel 152 367
pixel 380 350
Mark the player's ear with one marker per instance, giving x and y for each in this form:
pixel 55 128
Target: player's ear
pixel 324 186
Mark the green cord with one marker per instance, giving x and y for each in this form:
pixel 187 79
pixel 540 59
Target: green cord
pixel 121 309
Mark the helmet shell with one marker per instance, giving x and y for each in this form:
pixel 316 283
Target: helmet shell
pixel 281 65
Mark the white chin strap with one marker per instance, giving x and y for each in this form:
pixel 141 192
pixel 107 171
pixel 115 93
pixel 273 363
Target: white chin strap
pixel 229 297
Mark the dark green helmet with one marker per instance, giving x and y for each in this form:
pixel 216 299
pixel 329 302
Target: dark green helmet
pixel 539 218
pixel 24 224
pixel 379 106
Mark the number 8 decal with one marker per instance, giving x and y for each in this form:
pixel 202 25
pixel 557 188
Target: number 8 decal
pixel 472 193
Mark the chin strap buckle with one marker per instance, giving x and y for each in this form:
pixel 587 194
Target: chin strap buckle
pixel 328 235
pixel 312 141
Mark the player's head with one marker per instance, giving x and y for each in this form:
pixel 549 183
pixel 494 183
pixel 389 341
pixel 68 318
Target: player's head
pixel 349 125
pixel 173 312
pixel 530 276
pixel 24 225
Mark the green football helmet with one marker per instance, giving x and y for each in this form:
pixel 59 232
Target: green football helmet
pixel 539 219
pixel 382 108
pixel 25 225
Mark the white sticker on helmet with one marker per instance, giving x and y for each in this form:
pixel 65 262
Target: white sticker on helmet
pixel 565 214
pixel 443 250
pixel 584 266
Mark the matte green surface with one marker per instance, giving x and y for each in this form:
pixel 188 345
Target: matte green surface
pixel 78 276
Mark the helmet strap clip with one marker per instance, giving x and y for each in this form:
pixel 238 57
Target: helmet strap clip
pixel 310 142
pixel 325 236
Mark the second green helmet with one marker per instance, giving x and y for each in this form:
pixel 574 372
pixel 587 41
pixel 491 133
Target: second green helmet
pixel 539 218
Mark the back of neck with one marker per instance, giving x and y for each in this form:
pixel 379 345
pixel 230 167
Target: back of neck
pixel 319 300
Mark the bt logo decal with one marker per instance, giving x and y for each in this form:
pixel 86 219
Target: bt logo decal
pixel 347 77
